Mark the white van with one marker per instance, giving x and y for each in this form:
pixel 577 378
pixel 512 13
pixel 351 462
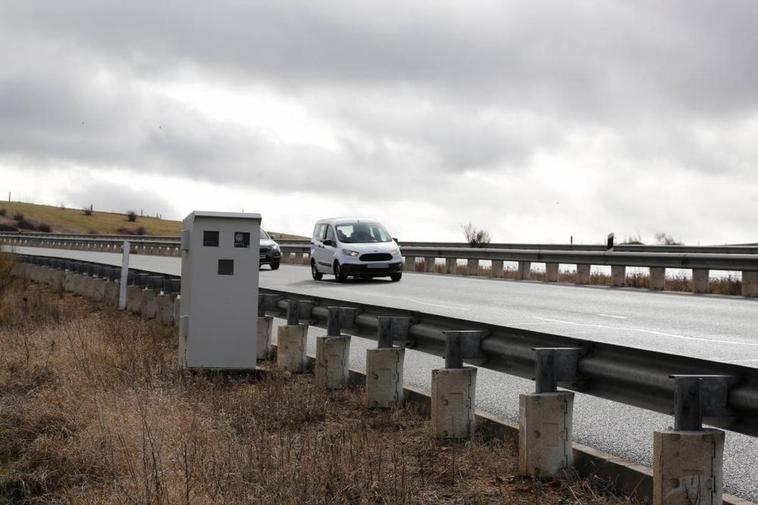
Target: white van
pixel 354 247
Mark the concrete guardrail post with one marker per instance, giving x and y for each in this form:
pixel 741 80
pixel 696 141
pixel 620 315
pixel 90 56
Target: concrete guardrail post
pixel 333 352
pixel 451 265
pixel 472 267
pixel 700 280
pixel 496 269
pixel 749 284
pixel 524 269
pixel 298 258
pixel 551 272
pixel 291 339
pixel 688 460
pixel 453 392
pixel 384 365
pixel 410 264
pixel 546 416
pixel 265 327
pixel 618 275
pixel 429 264
pixel 583 273
pixel 658 278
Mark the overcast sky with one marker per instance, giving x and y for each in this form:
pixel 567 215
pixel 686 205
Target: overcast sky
pixel 535 120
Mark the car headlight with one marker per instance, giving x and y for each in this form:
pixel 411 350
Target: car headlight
pixel 349 252
pixel 395 252
pixel 276 247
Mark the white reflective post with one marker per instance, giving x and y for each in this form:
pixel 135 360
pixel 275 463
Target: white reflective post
pixel 124 277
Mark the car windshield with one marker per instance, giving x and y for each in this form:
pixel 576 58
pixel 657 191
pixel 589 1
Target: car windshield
pixel 362 233
pixel 264 235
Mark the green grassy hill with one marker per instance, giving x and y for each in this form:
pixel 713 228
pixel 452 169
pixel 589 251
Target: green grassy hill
pixel 47 218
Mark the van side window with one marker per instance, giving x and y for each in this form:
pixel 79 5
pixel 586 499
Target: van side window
pixel 329 233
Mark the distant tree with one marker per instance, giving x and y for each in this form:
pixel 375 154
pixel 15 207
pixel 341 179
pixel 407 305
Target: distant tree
pixel 131 216
pixel 87 210
pixel 666 239
pixel 476 237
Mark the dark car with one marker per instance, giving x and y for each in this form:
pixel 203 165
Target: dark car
pixel 271 254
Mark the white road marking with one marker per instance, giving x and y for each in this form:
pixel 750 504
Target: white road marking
pixel 651 332
pixel 613 316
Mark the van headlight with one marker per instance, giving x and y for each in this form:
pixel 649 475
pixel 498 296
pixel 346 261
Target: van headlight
pixel 276 247
pixel 395 252
pixel 350 252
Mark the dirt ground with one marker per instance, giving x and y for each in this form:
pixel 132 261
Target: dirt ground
pixel 93 410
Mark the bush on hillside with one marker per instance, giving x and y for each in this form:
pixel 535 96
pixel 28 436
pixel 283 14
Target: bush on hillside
pixel 8 227
pixel 25 225
pixel 44 227
pixel 87 211
pixel 3 212
pixel 18 216
pixel 131 216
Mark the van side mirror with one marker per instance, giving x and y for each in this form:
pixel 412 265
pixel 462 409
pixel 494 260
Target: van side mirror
pixel 396 240
pixel 329 242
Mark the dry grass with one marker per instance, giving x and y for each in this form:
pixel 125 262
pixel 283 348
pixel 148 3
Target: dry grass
pixel 93 411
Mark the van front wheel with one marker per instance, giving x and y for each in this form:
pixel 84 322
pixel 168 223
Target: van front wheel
pixel 396 277
pixel 340 276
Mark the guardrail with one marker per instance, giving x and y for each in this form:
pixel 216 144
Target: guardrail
pixel 656 258
pixel 631 376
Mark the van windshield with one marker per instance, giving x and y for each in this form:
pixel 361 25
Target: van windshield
pixel 362 233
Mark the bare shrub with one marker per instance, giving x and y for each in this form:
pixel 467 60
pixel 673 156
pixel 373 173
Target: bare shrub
pixel 18 216
pixel 8 227
pixel 476 237
pixel 666 239
pixel 24 224
pixel 131 216
pixel 44 227
pixel 87 211
pixel 3 212
pixel 140 230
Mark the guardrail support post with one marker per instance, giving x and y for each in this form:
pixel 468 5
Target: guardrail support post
pixel 410 264
pixel 454 391
pixel 750 284
pixel 551 272
pixel 298 258
pixel 333 353
pixel 451 265
pixel 429 264
pixel 700 280
pixel 688 460
pixel 524 269
pixel 291 339
pixel 618 275
pixel 384 365
pixel 583 274
pixel 497 269
pixel 472 267
pixel 546 416
pixel 265 326
pixel 658 278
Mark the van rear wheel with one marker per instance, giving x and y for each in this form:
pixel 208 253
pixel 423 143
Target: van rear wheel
pixel 317 276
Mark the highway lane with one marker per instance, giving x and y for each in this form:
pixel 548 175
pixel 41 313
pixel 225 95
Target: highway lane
pixel 709 327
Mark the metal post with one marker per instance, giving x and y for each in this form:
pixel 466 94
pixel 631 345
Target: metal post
pixel 292 313
pixel 124 276
pixel 546 381
pixel 453 349
pixel 688 415
pixel 384 331
pixel 333 323
pixel 261 308
pixel 609 244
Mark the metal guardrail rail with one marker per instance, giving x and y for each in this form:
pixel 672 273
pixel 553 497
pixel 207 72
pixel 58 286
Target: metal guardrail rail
pixel 637 377
pixel 731 258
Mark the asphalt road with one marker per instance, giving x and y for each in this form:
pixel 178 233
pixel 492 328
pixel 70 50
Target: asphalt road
pixel 710 327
